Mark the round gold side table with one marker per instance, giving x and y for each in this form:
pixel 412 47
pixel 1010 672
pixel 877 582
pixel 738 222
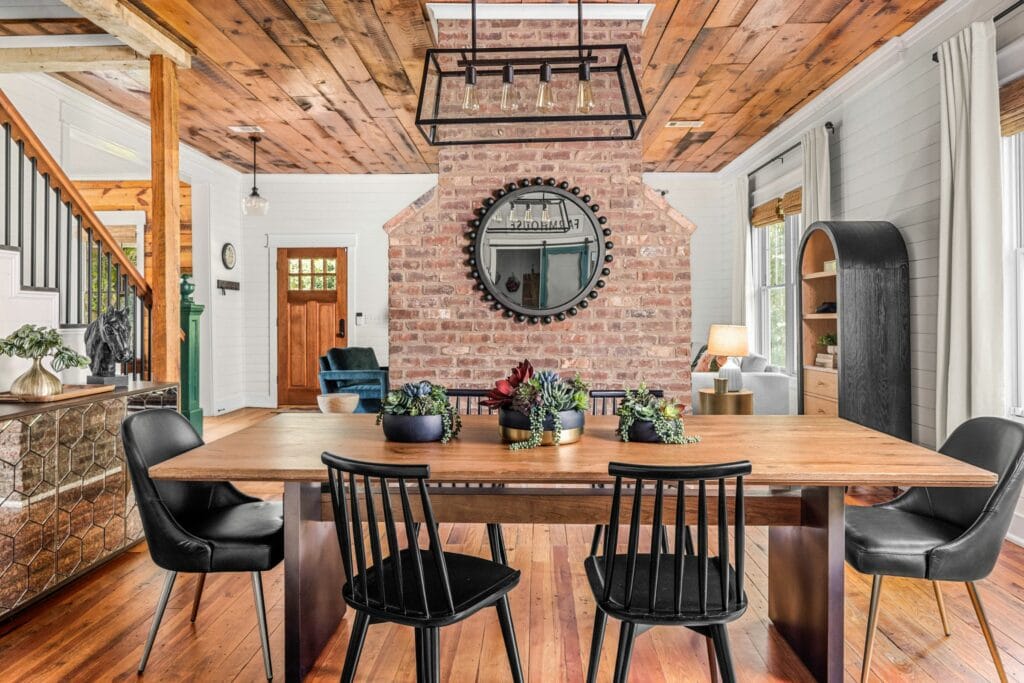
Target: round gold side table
pixel 730 403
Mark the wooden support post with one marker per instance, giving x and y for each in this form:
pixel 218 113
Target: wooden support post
pixel 163 79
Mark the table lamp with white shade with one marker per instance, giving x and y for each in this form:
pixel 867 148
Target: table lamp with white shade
pixel 729 341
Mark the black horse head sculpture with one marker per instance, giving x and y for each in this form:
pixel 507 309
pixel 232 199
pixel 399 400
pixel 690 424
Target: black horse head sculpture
pixel 107 341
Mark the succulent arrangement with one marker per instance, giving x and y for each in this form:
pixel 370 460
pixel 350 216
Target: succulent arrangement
pixel 422 399
pixel 640 405
pixel 541 395
pixel 828 339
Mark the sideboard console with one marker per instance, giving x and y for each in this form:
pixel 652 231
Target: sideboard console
pixel 66 503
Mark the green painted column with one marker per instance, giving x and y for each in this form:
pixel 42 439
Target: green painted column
pixel 190 312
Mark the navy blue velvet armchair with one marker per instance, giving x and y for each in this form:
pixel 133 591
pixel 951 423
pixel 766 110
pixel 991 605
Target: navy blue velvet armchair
pixel 354 371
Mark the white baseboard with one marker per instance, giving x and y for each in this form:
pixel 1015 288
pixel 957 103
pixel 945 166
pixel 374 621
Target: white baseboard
pixel 1016 533
pixel 260 401
pixel 230 404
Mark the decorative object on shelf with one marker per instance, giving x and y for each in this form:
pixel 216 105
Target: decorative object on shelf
pixel 553 231
pixel 617 113
pixel 828 266
pixel 107 343
pixel 419 412
pixel 539 408
pixel 729 341
pixel 828 340
pixel 254 204
pixel 35 342
pixel 228 256
pixel 826 307
pixel 646 418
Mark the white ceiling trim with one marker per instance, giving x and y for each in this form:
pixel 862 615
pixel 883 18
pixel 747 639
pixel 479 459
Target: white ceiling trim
pixel 35 9
pixel 66 40
pixel 439 11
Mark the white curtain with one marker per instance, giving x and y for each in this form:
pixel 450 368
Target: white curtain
pixel 817 182
pixel 742 271
pixel 969 358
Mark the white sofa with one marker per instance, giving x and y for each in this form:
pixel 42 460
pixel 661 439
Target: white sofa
pixel 771 386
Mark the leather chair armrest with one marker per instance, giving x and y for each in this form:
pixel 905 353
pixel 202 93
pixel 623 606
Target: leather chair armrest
pixel 329 377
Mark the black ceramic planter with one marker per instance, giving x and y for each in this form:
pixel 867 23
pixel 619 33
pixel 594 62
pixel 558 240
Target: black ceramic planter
pixel 515 426
pixel 642 431
pixel 413 428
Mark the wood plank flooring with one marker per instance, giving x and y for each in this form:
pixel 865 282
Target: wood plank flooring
pixel 94 630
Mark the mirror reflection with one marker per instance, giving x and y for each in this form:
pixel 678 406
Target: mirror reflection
pixel 539 249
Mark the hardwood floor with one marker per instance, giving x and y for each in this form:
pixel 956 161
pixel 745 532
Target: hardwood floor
pixel 95 628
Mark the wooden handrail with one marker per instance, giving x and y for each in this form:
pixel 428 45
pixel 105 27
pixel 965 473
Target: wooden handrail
pixel 35 149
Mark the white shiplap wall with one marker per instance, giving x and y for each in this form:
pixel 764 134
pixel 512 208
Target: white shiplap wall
pixel 710 203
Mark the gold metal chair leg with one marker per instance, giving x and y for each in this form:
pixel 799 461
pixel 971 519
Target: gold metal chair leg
pixel 986 630
pixel 942 607
pixel 869 641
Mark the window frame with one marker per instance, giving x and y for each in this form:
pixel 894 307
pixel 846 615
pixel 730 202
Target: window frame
pixel 762 289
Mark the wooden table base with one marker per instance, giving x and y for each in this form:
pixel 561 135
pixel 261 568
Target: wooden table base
pixel 313 577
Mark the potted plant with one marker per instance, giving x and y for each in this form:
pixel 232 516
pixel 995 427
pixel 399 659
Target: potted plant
pixel 830 342
pixel 35 343
pixel 419 412
pixel 539 408
pixel 647 418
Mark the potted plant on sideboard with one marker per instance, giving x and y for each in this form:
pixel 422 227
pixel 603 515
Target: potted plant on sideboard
pixel 417 413
pixel 646 418
pixel 539 408
pixel 35 342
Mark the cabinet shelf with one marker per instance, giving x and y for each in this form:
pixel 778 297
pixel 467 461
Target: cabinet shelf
pixel 819 276
pixel 821 316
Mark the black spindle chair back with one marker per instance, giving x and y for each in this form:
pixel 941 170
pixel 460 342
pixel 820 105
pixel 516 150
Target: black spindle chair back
pixel 358 491
pixel 683 586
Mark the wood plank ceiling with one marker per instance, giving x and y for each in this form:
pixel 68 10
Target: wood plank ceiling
pixel 334 82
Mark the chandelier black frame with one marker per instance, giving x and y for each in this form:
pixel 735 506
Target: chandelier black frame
pixel 493 63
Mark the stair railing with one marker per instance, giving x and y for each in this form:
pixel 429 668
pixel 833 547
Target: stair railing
pixel 64 247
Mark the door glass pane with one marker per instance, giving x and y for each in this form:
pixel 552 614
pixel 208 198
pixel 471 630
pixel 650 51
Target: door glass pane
pixel 293 265
pixel 307 265
pixel 331 282
pixel 307 282
pixel 318 265
pixel 318 282
pixel 330 265
pixel 293 282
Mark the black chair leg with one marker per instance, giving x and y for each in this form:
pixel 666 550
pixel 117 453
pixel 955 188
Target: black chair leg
pixel 596 642
pixel 595 545
pixel 508 632
pixel 721 637
pixel 261 616
pixel 422 657
pixel 355 646
pixel 161 605
pixel 433 643
pixel 497 543
pixel 626 636
pixel 200 582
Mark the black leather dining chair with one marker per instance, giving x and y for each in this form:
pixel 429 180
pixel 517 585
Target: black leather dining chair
pixel 198 527
pixel 943 534
pixel 426 588
pixel 696 590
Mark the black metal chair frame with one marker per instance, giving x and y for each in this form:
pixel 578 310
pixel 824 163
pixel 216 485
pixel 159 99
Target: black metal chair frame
pixel 661 606
pixel 406 604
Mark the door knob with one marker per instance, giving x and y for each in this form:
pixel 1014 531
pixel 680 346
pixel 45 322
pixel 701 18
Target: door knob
pixel 341 328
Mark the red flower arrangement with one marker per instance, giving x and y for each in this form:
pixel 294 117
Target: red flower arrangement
pixel 504 389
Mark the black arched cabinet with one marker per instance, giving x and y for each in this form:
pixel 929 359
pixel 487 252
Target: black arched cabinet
pixel 870 317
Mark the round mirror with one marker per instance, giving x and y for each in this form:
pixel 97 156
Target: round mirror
pixel 539 250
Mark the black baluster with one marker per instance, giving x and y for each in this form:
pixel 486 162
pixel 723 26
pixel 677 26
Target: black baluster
pixel 149 342
pixel 32 225
pixel 67 267
pixel 46 230
pixel 21 202
pixel 78 264
pixel 88 277
pixel 7 184
pixel 135 332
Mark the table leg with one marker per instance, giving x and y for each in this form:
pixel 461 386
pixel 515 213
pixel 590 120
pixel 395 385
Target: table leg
pixel 805 581
pixel 313 577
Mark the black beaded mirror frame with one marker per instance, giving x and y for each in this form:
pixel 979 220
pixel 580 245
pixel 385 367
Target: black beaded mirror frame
pixel 493 295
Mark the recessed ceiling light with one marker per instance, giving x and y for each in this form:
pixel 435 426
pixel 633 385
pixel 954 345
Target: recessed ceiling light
pixel 245 130
pixel 684 124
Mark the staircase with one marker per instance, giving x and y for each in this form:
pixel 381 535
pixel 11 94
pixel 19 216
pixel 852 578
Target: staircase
pixel 59 265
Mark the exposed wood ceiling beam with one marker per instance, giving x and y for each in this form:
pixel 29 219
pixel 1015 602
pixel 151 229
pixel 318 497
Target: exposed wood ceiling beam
pixel 137 30
pixel 67 59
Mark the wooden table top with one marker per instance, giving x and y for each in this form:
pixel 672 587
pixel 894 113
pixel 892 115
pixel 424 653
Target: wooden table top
pixel 793 450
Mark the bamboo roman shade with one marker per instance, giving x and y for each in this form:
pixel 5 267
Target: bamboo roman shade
pixel 774 210
pixel 767 213
pixel 1011 107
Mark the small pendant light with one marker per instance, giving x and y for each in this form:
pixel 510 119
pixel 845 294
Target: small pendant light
pixel 545 96
pixel 254 204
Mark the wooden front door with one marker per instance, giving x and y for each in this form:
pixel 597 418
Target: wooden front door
pixel 312 317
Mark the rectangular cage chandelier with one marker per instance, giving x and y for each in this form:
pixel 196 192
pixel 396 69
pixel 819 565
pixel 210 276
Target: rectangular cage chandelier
pixel 522 94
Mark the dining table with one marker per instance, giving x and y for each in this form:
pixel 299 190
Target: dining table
pixel 800 468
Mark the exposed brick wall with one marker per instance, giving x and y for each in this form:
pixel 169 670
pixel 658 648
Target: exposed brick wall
pixel 639 327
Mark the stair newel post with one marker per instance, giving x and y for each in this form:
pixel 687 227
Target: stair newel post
pixel 189 391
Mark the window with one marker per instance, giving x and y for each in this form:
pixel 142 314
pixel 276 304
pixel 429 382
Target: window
pixel 1013 215
pixel 312 274
pixel 774 249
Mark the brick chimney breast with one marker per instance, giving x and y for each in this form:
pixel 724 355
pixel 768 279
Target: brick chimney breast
pixel 637 329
